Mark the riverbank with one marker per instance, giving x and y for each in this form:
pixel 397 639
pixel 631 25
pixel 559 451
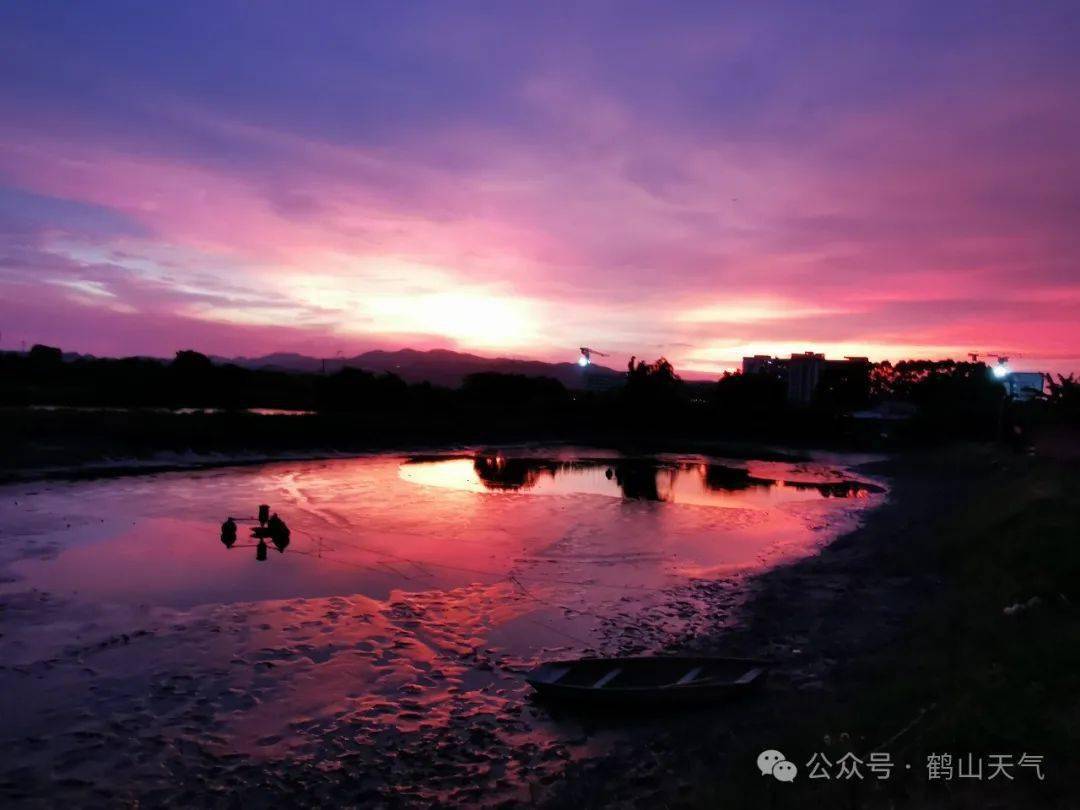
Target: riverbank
pixel 945 625
pixel 72 443
pixel 893 637
pixel 381 655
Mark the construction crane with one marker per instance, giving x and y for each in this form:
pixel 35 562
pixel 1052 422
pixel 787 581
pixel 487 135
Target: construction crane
pixel 1001 369
pixel 586 356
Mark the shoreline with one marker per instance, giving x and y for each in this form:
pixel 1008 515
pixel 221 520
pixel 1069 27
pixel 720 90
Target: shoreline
pixel 815 647
pixel 842 625
pixel 830 621
pixel 165 461
pixel 541 765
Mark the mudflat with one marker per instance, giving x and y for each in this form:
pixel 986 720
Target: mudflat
pixel 380 655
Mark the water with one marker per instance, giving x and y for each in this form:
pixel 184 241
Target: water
pixel 410 598
pixel 159 409
pixel 666 479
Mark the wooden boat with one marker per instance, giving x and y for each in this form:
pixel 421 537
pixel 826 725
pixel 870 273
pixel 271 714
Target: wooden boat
pixel 655 679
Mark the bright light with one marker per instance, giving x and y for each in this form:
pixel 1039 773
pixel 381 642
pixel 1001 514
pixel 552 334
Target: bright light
pixel 1001 371
pixel 583 361
pixel 365 296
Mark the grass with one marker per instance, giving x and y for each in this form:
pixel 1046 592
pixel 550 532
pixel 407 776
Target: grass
pixel 967 677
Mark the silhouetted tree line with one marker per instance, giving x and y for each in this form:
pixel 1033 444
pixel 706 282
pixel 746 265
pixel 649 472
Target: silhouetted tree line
pixel 1063 397
pixel 652 389
pixel 352 389
pixel 953 398
pixel 740 395
pixel 43 377
pixel 948 398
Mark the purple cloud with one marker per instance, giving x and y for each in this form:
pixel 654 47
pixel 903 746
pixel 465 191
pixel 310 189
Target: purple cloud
pixel 831 175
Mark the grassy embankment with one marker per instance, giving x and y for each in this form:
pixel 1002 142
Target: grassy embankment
pixel 968 677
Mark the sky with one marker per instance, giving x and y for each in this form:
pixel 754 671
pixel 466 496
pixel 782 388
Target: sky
pixel 696 180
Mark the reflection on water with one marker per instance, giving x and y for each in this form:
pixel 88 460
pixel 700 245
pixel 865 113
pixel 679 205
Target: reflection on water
pixel 159 409
pixel 409 598
pixel 648 479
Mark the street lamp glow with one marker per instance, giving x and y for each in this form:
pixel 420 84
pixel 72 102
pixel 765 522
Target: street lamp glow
pixel 583 361
pixel 1001 371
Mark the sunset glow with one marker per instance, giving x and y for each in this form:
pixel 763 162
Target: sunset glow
pixel 704 184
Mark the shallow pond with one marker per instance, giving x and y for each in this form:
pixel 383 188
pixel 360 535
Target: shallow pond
pixel 393 628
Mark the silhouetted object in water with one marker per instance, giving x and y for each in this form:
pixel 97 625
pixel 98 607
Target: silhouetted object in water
pixel 228 533
pixel 841 489
pixel 260 551
pixel 264 514
pixel 497 472
pixel 728 479
pixel 609 473
pixel 279 532
pixel 637 479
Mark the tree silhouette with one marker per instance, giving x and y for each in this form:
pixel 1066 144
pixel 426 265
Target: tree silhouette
pixel 1063 397
pixel 652 388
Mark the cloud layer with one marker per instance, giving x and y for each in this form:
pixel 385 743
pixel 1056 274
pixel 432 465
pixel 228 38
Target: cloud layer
pixel 704 181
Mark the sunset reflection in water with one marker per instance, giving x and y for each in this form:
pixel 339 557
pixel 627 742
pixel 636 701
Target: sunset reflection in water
pixel 410 598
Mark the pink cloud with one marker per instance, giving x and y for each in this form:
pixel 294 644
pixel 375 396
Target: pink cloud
pixel 895 214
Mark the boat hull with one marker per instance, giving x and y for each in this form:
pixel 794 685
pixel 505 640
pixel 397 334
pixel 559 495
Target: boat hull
pixel 648 680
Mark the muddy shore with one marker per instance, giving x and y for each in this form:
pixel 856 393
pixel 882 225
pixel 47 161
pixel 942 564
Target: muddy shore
pixel 852 598
pixel 822 619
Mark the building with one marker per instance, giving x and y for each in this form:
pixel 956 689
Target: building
pixel 803 374
pixel 810 377
pixel 761 364
pixel 1024 385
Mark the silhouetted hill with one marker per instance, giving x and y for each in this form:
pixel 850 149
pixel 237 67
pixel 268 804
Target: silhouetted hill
pixel 437 366
pixel 284 361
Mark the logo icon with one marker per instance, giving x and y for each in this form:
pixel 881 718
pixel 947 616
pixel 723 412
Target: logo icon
pixel 772 762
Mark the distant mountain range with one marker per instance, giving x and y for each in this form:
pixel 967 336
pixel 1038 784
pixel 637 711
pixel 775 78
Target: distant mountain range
pixel 438 366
